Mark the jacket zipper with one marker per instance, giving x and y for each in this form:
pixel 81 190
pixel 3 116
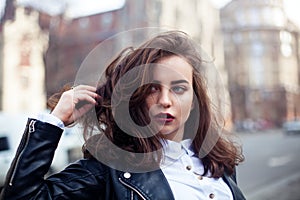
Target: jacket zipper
pixel 131 194
pixel 30 130
pixel 132 188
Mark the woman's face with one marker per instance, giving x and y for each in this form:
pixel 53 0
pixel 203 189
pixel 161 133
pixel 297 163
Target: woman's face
pixel 171 96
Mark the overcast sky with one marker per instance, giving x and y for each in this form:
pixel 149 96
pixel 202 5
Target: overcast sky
pixel 77 9
pixel 74 8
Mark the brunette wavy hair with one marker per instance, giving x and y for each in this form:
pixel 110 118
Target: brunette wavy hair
pixel 121 94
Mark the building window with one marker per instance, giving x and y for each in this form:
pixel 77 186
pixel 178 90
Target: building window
pixel 273 16
pixel 241 18
pixel 107 20
pixel 84 22
pixel 262 66
pixel 285 36
pixel 254 17
pixel 278 17
pixel 257 49
pixel 256 72
pixel 286 50
pixel 286 43
pixel 25 51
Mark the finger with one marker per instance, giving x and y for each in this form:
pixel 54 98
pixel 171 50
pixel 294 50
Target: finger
pixel 89 91
pixel 86 92
pixel 85 96
pixel 84 87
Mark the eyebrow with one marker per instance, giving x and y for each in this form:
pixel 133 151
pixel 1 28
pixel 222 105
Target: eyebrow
pixel 179 81
pixel 172 82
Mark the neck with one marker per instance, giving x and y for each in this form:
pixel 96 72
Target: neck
pixel 175 136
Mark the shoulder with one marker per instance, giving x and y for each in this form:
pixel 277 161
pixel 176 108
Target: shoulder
pixel 91 165
pixel 89 171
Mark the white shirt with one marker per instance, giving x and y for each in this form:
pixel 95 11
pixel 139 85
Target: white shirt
pixel 181 168
pixel 183 171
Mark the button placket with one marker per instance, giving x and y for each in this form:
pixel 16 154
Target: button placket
pixel 187 163
pixel 188 167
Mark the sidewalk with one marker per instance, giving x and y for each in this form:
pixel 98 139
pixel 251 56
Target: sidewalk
pixel 288 189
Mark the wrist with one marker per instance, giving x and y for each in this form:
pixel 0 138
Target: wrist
pixel 51 119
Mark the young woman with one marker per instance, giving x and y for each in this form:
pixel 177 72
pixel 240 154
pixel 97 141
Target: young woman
pixel 156 137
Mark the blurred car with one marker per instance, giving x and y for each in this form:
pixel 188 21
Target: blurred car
pixel 11 131
pixel 291 127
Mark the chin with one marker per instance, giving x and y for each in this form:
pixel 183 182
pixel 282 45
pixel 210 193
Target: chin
pixel 167 133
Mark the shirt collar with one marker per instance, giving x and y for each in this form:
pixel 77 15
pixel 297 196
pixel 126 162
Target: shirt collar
pixel 175 150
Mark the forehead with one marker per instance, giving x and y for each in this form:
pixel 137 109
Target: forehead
pixel 173 67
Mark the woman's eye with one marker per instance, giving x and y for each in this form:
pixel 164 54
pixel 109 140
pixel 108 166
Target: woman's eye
pixel 154 88
pixel 178 89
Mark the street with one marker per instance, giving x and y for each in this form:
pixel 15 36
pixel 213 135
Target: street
pixel 271 166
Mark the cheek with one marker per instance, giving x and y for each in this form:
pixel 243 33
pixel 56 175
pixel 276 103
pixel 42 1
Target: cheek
pixel 186 105
pixel 150 101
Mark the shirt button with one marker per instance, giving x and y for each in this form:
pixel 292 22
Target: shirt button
pixel 200 177
pixel 127 175
pixel 189 167
pixel 211 196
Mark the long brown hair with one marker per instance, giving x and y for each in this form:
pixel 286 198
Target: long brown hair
pixel 220 159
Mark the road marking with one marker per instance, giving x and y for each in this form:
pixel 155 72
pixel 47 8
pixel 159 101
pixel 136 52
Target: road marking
pixel 268 190
pixel 279 161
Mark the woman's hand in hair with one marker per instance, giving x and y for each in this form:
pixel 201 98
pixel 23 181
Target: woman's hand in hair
pixel 75 103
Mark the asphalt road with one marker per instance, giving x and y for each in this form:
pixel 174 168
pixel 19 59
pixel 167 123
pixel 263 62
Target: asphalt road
pixel 272 166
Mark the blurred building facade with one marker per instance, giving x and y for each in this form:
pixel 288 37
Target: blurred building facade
pixel 23 45
pixel 71 38
pixel 64 41
pixel 262 58
pixel 8 13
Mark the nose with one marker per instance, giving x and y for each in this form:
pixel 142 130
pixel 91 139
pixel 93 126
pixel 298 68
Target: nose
pixel 164 98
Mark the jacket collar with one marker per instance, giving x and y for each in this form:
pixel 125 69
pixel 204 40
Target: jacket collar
pixel 174 150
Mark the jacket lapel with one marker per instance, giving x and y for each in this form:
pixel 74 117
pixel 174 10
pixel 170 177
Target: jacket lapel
pixel 236 192
pixel 151 185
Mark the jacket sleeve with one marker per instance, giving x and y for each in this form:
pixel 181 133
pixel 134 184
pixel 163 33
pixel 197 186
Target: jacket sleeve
pixel 25 178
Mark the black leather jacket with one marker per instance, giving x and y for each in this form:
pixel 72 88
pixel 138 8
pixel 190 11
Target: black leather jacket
pixel 84 179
